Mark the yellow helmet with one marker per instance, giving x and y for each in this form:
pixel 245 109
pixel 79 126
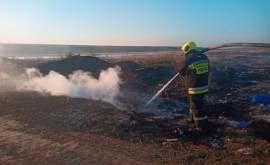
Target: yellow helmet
pixel 188 46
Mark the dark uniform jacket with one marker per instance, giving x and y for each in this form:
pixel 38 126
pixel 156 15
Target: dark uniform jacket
pixel 196 68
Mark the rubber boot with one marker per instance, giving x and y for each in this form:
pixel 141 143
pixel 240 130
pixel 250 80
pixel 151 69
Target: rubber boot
pixel 203 127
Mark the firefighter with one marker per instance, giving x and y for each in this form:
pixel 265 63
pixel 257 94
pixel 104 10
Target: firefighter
pixel 196 69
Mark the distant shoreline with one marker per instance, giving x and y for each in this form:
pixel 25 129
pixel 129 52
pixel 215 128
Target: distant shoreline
pixel 30 49
pixel 54 51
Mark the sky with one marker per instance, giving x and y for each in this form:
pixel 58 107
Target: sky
pixel 134 22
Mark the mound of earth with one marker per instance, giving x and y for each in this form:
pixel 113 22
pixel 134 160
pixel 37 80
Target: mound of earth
pixel 69 65
pixel 128 65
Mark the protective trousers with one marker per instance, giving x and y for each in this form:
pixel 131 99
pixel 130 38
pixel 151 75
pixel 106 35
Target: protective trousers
pixel 197 112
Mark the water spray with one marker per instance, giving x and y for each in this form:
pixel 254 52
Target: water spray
pixel 265 45
pixel 161 90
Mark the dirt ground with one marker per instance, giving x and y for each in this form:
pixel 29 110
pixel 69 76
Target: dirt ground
pixel 43 129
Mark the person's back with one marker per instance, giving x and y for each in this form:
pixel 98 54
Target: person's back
pixel 196 68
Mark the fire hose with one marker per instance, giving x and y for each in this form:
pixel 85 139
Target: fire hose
pixel 265 45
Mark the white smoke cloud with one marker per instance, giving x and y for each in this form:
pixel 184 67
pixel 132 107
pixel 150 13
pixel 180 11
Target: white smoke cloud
pixel 9 74
pixel 79 84
pixel 3 76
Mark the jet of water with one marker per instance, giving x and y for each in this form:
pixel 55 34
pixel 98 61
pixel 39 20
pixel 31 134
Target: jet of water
pixel 160 91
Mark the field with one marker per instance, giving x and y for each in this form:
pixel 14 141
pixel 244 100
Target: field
pixel 38 128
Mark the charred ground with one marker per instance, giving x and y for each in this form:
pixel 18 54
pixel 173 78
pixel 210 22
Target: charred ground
pixel 46 129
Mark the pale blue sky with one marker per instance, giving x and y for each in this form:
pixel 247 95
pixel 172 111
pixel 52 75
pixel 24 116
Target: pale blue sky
pixel 134 22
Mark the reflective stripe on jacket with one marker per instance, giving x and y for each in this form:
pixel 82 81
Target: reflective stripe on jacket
pixel 198 90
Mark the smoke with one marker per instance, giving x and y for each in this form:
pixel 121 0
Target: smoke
pixel 3 76
pixel 79 84
pixel 9 74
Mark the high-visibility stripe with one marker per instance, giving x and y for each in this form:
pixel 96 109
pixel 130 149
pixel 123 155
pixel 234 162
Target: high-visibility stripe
pixel 205 64
pixel 198 88
pixel 200 118
pixel 198 62
pixel 198 92
pixel 200 66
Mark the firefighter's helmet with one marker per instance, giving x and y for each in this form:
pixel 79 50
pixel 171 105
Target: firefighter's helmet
pixel 188 46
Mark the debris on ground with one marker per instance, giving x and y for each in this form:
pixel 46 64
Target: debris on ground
pixel 164 143
pixel 139 69
pixel 178 131
pixel 262 101
pixel 181 132
pixel 228 122
pixel 215 143
pixel 243 125
pixel 245 151
pixel 80 111
pixel 261 141
pixel 172 140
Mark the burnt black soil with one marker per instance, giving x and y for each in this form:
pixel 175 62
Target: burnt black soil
pixel 129 66
pixel 68 65
pixel 38 129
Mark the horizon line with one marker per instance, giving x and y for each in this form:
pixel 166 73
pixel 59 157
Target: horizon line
pixel 2 43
